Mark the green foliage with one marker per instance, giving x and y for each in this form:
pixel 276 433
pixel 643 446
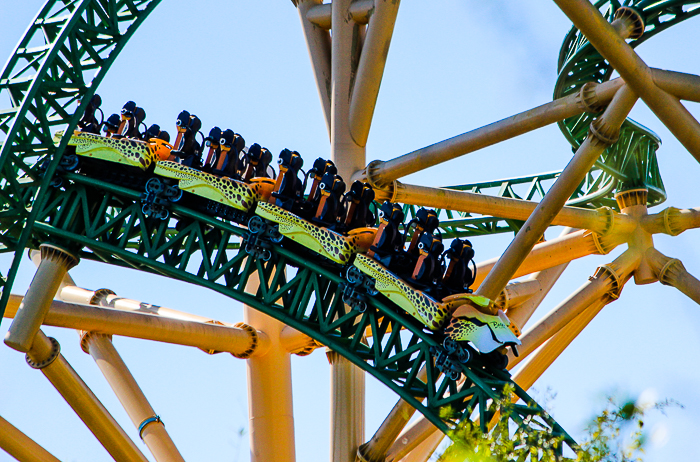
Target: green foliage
pixel 615 435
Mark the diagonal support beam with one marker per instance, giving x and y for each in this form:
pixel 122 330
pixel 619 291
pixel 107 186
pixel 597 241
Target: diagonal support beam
pixel 318 42
pixel 671 272
pixel 150 427
pixel 238 341
pixel 603 133
pixel 606 284
pixel 634 72
pixel 555 252
pixel 382 173
pixel 45 355
pixel 370 69
pixel 20 446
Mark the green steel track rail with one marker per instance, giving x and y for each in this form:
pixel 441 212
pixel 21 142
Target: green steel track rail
pixel 104 222
pixel 632 160
pixel 48 81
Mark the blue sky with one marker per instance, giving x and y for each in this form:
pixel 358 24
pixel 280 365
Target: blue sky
pixel 453 66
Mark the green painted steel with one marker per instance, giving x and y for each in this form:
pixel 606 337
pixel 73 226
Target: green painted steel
pixel 49 80
pixel 104 222
pixel 632 160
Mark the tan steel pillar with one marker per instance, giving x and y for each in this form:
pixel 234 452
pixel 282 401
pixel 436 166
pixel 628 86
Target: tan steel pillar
pixel 347 408
pixel 534 366
pixel 347 381
pixel 633 202
pixel 596 95
pixel 270 411
pixel 409 439
pixel 557 251
pixel 600 221
pixel 672 221
pixel 55 263
pixel 151 428
pixel 521 314
pixel 318 42
pixel 45 355
pixel 604 131
pixel 296 342
pixel 634 72
pixel 516 293
pixel 607 282
pixel 683 86
pixel 425 449
pixel 241 341
pixel 671 272
pixel 20 446
pixel 375 449
pixel 347 155
pixel 108 299
pixel 371 68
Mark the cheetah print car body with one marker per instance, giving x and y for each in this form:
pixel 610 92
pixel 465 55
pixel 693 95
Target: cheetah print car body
pixel 493 331
pixel 125 151
pixel 419 305
pixel 241 196
pixel 323 241
pixel 487 334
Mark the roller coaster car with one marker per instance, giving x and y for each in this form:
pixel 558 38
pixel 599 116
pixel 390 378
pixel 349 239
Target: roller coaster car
pixel 425 222
pixel 227 161
pixel 318 170
pixel 233 193
pixel 325 242
pixel 186 148
pixel 485 332
pixel 124 151
pixel 212 142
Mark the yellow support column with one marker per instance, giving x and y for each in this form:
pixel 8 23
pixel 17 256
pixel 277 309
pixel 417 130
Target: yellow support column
pixel 347 408
pixel 45 355
pixel 535 365
pixel 671 272
pixel 20 446
pixel 375 449
pixel 425 449
pixel 269 376
pixel 409 439
pixel 55 263
pixel 151 428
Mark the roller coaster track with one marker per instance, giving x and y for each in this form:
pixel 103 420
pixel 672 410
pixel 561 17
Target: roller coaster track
pixel 47 83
